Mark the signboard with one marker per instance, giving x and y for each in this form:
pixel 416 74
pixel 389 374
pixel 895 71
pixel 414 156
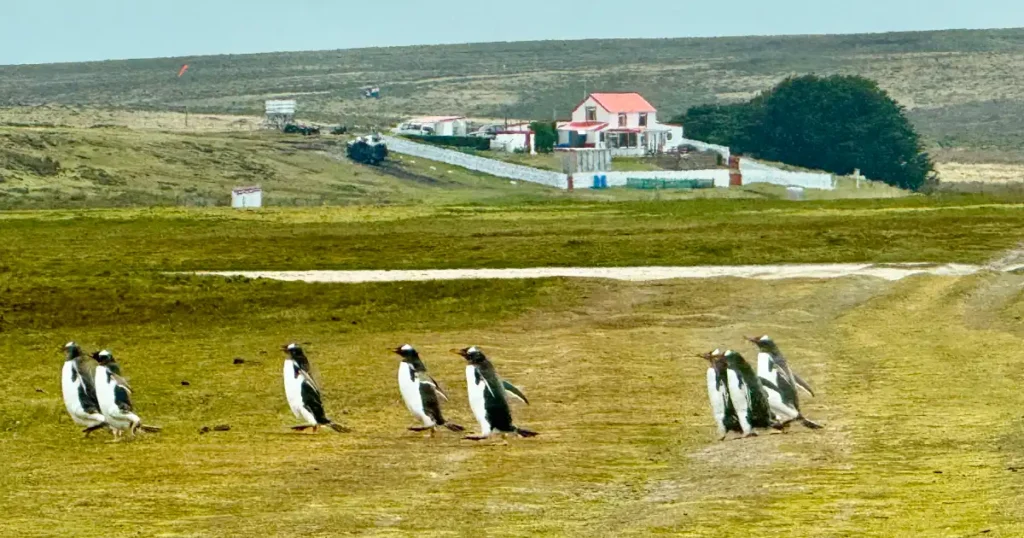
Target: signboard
pixel 279 106
pixel 244 197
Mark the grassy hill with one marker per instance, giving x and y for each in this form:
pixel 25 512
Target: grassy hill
pixel 964 88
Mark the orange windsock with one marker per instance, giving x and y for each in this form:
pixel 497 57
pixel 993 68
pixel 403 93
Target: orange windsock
pixel 182 71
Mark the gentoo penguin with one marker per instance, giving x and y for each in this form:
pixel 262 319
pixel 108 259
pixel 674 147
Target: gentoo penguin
pixel 718 393
pixel 487 396
pixel 780 382
pixel 80 392
pixel 303 394
pixel 421 392
pixel 747 394
pixel 114 397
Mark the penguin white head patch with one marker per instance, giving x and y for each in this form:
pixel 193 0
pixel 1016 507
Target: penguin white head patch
pixel 716 352
pixel 291 347
pixel 104 353
pixel 69 345
pixel 472 350
pixel 406 347
pixel 765 338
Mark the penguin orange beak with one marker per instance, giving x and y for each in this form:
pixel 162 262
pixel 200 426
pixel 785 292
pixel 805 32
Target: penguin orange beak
pixel 397 350
pixel 460 352
pixel 754 340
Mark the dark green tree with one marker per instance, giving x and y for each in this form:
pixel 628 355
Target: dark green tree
pixel 546 136
pixel 837 124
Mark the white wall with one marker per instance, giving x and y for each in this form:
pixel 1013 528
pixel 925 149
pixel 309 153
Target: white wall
pixel 758 172
pixel 480 164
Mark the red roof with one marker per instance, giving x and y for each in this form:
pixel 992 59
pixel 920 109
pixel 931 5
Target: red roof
pixel 582 125
pixel 619 103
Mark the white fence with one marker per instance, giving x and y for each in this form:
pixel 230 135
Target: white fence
pixel 757 172
pixel 479 164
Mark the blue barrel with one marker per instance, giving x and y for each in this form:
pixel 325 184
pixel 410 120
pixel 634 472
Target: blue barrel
pixel 604 182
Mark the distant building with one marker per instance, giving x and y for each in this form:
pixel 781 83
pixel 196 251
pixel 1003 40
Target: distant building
pixel 244 197
pixel 433 125
pixel 515 138
pixel 625 123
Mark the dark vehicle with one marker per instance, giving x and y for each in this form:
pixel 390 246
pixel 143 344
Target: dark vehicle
pixel 304 130
pixel 368 150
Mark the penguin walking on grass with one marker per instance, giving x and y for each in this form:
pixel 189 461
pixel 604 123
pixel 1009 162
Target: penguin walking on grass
pixel 487 396
pixel 303 394
pixel 747 395
pixel 718 393
pixel 114 397
pixel 421 393
pixel 780 383
pixel 79 391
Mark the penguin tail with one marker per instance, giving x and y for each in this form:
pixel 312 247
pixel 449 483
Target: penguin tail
pixel 150 429
pixel 454 427
pixel 810 424
pixel 338 428
pixel 526 433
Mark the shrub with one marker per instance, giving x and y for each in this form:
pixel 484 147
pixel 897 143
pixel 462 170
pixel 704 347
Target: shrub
pixel 546 136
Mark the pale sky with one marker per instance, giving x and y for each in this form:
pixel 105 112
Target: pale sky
pixel 45 31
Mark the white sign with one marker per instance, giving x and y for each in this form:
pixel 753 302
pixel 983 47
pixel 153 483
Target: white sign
pixel 281 106
pixel 247 197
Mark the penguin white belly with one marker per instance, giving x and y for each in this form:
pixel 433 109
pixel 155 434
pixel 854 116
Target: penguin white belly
pixel 293 392
pixel 410 388
pixel 476 399
pixel 70 384
pixel 107 400
pixel 766 367
pixel 717 397
pixel 740 399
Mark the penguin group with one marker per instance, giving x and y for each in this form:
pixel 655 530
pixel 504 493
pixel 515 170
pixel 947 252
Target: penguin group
pixel 744 400
pixel 97 396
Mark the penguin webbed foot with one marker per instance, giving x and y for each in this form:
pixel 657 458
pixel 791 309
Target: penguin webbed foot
pixel 150 429
pixel 526 433
pixel 477 437
pixel 420 428
pixel 454 427
pixel 301 428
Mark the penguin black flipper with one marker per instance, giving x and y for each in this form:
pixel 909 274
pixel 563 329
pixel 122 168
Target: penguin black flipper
pixel 437 386
pixel 311 401
pixel 431 405
pixel 803 384
pixel 515 391
pixel 122 394
pixel 87 391
pixel 496 406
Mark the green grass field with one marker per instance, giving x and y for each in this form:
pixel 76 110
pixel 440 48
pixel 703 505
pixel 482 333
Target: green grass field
pixel 917 381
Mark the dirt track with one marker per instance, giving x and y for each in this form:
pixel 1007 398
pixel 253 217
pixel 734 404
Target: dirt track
pixel 761 272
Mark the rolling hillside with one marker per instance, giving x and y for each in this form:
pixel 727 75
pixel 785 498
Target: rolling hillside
pixel 963 88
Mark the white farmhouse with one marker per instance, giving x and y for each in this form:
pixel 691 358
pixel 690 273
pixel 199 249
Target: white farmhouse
pixel 623 122
pixel 434 126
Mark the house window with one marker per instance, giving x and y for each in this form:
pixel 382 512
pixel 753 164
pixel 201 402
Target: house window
pixel 622 120
pixel 643 120
pixel 591 113
pixel 602 137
